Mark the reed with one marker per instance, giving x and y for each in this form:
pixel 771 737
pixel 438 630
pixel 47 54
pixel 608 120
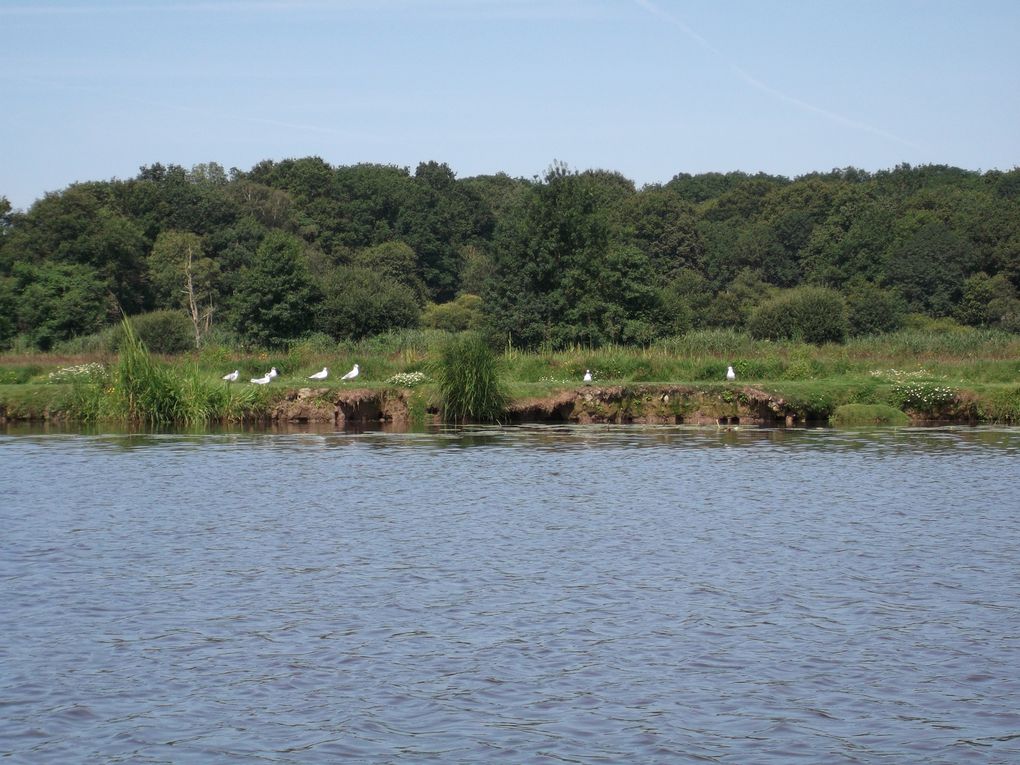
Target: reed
pixel 467 376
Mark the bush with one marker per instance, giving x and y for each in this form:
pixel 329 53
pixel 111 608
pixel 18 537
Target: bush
pixel 464 313
pixel 872 310
pixel 810 314
pixel 359 303
pixel 164 332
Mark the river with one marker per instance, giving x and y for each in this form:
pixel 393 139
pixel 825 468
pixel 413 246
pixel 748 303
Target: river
pixel 529 594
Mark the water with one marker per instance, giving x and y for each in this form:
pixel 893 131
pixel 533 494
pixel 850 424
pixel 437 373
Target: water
pixel 575 594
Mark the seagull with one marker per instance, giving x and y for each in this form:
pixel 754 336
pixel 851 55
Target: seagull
pixel 272 373
pixel 232 377
pixel 587 375
pixel 262 380
pixel 730 374
pixel 352 374
pixel 320 375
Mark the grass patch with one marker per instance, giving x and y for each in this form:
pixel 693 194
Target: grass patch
pixel 848 415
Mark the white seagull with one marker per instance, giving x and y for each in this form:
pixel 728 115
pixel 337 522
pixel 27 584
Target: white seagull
pixel 730 374
pixel 272 373
pixel 352 374
pixel 320 375
pixel 262 380
pixel 232 377
pixel 587 375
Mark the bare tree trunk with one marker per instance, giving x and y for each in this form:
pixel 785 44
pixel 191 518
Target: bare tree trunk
pixel 189 288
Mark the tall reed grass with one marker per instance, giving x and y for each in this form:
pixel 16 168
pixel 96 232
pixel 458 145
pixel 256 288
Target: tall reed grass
pixel 467 374
pixel 142 389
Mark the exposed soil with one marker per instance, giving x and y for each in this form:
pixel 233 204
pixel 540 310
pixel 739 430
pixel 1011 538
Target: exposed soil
pixel 662 404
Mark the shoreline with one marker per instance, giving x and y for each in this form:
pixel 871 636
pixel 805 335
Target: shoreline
pixel 728 404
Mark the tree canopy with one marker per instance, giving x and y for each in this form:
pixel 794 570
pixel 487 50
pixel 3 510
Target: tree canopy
pixel 296 246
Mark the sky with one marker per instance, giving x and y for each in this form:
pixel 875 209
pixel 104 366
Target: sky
pixel 93 90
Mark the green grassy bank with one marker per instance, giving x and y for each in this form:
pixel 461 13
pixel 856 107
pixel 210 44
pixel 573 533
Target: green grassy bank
pixel 968 375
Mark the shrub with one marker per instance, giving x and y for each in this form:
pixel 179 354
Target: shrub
pixel 923 396
pixel 359 303
pixel 458 315
pixel 467 375
pixel 811 314
pixel 872 310
pixel 165 332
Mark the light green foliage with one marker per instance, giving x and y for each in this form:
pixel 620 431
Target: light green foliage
pixel 393 263
pixel 176 255
pixel 988 301
pixel 461 314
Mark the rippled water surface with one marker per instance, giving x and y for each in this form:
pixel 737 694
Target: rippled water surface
pixel 541 594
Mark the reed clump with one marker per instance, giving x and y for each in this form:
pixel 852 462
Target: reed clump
pixel 140 388
pixel 467 375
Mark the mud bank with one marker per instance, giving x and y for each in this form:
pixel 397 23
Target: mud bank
pixel 658 404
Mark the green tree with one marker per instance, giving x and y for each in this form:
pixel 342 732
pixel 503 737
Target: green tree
pixel 987 301
pixel 664 228
pixel 558 276
pixel 358 303
pixel 58 301
pixel 809 314
pixel 274 301
pixel 928 266
pixel 439 217
pixel 872 310
pixel 394 262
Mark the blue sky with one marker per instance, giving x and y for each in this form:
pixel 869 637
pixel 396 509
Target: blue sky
pixel 91 90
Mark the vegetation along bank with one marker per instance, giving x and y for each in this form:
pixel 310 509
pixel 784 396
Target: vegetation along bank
pixel 965 376
pixel 844 294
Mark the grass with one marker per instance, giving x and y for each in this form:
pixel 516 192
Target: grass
pixel 467 375
pixel 908 370
pixel 867 414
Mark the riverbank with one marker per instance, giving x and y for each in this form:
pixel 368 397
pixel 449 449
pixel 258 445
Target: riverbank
pixel 970 376
pixel 776 403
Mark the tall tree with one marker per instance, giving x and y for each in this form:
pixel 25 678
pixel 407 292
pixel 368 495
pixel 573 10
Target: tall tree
pixel 274 300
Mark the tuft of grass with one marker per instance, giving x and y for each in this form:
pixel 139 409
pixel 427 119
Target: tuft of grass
pixel 849 415
pixel 467 375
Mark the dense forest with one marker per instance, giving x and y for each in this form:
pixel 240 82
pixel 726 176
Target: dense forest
pixel 299 249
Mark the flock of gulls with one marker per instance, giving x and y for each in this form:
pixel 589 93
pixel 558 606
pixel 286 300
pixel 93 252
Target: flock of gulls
pixel 268 376
pixel 355 371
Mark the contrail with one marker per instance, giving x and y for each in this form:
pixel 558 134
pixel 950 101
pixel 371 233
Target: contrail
pixel 757 84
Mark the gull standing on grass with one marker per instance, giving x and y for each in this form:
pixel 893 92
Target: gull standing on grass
pixel 730 374
pixel 320 375
pixel 272 373
pixel 262 380
pixel 232 377
pixel 587 375
pixel 352 374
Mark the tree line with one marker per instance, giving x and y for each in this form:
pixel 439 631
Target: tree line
pixel 298 247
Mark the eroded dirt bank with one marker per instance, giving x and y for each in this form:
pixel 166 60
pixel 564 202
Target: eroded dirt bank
pixel 660 404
